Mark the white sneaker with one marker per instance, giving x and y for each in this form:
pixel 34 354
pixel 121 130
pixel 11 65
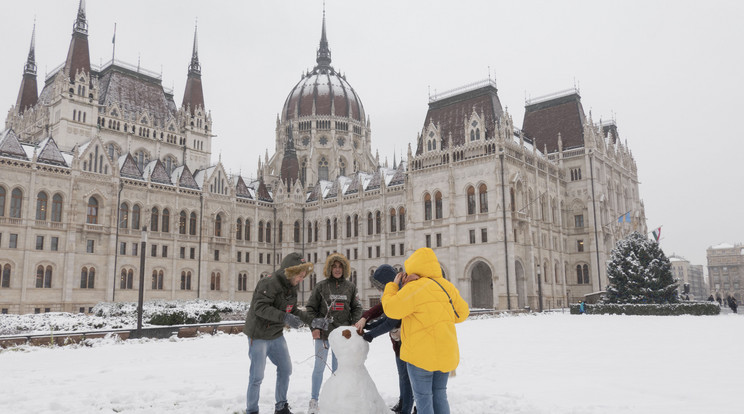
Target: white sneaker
pixel 313 407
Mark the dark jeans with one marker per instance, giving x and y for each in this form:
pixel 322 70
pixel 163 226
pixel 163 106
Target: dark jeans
pixel 404 384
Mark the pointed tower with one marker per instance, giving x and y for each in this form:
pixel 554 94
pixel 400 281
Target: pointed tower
pixel 78 56
pixel 323 58
pixel 193 96
pixel 290 165
pixel 28 94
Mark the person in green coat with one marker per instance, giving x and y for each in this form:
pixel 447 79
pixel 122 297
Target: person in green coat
pixel 273 306
pixel 335 299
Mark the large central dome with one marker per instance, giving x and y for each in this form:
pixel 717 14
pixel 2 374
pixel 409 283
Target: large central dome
pixel 323 91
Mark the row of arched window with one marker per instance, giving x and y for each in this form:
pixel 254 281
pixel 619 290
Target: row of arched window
pixel 16 202
pixel 479 204
pixel 374 225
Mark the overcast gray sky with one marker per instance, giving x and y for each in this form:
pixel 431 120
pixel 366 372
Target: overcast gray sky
pixel 669 72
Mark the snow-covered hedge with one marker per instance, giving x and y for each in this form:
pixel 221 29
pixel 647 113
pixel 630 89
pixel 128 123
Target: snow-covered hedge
pixel 123 315
pixel 684 308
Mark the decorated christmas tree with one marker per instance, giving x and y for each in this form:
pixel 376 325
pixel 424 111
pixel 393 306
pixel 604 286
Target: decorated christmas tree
pixel 639 272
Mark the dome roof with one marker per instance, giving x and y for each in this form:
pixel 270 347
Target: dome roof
pixel 323 90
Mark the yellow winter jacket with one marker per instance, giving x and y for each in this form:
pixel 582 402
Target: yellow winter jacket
pixel 428 335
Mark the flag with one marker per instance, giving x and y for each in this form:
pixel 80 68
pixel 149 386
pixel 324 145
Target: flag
pixel 657 234
pixel 625 217
pixel 113 39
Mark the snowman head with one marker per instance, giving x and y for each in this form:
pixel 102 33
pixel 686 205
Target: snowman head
pixel 348 346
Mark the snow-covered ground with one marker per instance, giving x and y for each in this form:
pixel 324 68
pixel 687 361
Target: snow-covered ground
pixel 550 363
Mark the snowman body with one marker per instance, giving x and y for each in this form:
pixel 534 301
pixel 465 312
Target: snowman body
pixel 350 389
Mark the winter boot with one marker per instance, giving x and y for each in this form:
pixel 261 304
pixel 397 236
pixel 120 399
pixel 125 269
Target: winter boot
pixel 283 410
pixel 396 407
pixel 312 408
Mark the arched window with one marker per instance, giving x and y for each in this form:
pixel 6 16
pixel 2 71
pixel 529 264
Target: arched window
pixel 472 135
pixel 323 169
pixel 328 229
pixel 92 212
pixel 309 232
pixel 165 225
pixel 47 277
pixel 192 224
pixel 242 282
pixel 87 278
pixel 6 277
pixel 16 203
pixel 239 229
pixel 471 200
pixel 2 201
pixel 437 205
pixel 214 283
pixel 218 226
pixel 297 231
pixel 335 228
pixel 585 270
pixel 356 225
pixel 157 280
pixel 370 224
pixel 41 206
pixel 40 276
pixel 402 218
pixel 477 134
pixel 123 215
pixel 393 227
pixel 135 217
pixel 348 226
pixel 512 200
pixel 182 222
pixel 378 222
pixel 185 280
pixel 154 218
pixel 261 231
pixel 56 208
pixel 483 198
pixel 127 277
pixel 582 274
pixel 268 232
pixel 315 232
pixel 427 206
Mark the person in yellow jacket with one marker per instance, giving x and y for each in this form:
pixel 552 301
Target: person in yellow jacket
pixel 429 306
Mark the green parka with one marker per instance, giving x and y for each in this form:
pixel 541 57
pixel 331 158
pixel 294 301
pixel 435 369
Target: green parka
pixel 340 294
pixel 273 298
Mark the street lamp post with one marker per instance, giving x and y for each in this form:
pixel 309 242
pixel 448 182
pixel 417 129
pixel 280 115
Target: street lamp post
pixel 539 288
pixel 143 248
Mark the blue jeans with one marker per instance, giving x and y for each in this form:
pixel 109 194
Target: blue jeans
pixel 321 354
pixel 430 390
pixel 277 352
pixel 404 384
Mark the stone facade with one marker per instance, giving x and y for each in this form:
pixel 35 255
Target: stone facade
pixel 691 275
pixel 726 271
pixel 516 218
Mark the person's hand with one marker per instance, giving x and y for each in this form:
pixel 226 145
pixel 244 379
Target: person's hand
pixel 292 321
pixel 399 277
pixel 360 324
pixel 410 278
pixel 316 333
pixel 319 323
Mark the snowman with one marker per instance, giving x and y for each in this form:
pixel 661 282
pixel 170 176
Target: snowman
pixel 350 389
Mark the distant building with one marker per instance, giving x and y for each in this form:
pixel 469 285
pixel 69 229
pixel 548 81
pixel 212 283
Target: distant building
pixel 726 271
pixel 691 275
pixel 104 157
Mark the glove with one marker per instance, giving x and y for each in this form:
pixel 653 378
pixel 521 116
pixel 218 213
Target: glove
pixel 367 337
pixel 292 321
pixel 319 323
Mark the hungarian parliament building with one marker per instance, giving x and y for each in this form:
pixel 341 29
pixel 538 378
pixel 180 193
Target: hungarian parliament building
pixel 102 167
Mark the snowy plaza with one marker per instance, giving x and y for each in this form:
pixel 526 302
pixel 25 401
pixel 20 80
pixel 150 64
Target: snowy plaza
pixel 552 363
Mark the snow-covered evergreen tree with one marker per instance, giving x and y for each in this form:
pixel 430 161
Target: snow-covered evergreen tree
pixel 639 272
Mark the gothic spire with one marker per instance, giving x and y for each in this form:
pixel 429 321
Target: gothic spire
pixel 28 94
pixel 193 95
pixel 78 56
pixel 324 53
pixel 195 67
pixel 81 24
pixel 290 164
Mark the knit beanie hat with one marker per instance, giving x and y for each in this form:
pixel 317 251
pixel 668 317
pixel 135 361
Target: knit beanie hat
pixel 382 276
pixel 423 262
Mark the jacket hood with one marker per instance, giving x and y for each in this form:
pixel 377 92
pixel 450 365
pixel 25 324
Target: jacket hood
pixel 333 258
pixel 293 264
pixel 423 262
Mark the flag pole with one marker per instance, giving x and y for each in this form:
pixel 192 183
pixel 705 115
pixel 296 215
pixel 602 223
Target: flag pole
pixel 113 41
